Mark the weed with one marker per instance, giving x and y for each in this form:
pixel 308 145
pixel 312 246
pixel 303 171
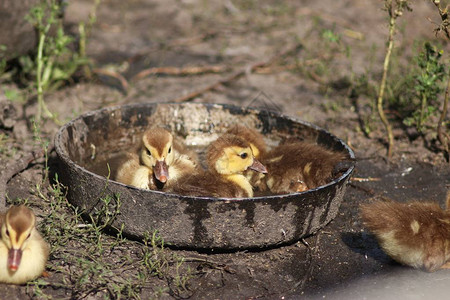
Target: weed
pixel 42 143
pixel 5 146
pixel 331 36
pixel 13 95
pixel 86 262
pixel 3 61
pixel 427 86
pixel 55 62
pixel 443 137
pixel 84 31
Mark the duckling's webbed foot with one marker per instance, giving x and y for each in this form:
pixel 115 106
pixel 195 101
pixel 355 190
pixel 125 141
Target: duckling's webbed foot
pixel 298 186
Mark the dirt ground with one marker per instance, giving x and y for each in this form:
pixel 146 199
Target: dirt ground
pixel 311 83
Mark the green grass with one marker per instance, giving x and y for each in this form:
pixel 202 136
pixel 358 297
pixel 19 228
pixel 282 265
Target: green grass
pixel 86 261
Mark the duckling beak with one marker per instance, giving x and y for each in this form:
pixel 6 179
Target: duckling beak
pixel 258 166
pixel 161 171
pixel 14 258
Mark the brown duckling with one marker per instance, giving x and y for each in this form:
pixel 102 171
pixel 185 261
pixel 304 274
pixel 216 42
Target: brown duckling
pixel 227 158
pixel 299 166
pixel 23 252
pixel 161 161
pixel 415 234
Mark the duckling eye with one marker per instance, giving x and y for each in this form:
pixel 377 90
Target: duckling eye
pixel 243 155
pixel 170 150
pixel 149 153
pixel 28 236
pixel 7 232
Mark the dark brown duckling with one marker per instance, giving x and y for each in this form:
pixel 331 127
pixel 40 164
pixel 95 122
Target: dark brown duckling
pixel 299 166
pixel 415 234
pixel 227 158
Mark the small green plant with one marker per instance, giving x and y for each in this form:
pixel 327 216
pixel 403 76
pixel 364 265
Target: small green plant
pixel 42 143
pixel 3 61
pixel 159 263
pixel 85 29
pixel 443 136
pixel 5 146
pixel 55 62
pixel 331 36
pixel 427 85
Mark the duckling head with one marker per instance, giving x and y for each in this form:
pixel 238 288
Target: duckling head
pixel 157 152
pixel 254 138
pixel 231 154
pixel 16 230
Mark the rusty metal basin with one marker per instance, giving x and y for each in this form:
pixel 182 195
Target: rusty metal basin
pixel 193 222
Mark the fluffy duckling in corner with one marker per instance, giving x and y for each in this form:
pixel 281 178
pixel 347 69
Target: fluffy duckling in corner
pixel 160 163
pixel 227 158
pixel 415 234
pixel 23 252
pixel 299 166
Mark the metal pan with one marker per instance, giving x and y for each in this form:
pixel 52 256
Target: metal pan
pixel 193 222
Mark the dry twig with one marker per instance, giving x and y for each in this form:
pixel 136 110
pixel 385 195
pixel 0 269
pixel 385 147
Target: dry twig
pixel 237 74
pixel 113 74
pixel 445 18
pixel 365 179
pixel 174 71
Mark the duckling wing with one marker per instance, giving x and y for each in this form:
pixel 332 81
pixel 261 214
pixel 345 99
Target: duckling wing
pixel 194 185
pixel 205 184
pixel 181 169
pixel 184 151
pixel 295 166
pixel 126 168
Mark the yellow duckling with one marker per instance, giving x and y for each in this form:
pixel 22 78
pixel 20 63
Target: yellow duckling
pixel 259 149
pixel 227 158
pixel 162 160
pixel 253 137
pixel 299 166
pixel 23 252
pixel 415 234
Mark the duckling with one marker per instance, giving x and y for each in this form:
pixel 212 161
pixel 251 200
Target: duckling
pixel 259 149
pixel 23 252
pixel 299 166
pixel 227 158
pixel 415 234
pixel 159 163
pixel 253 137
